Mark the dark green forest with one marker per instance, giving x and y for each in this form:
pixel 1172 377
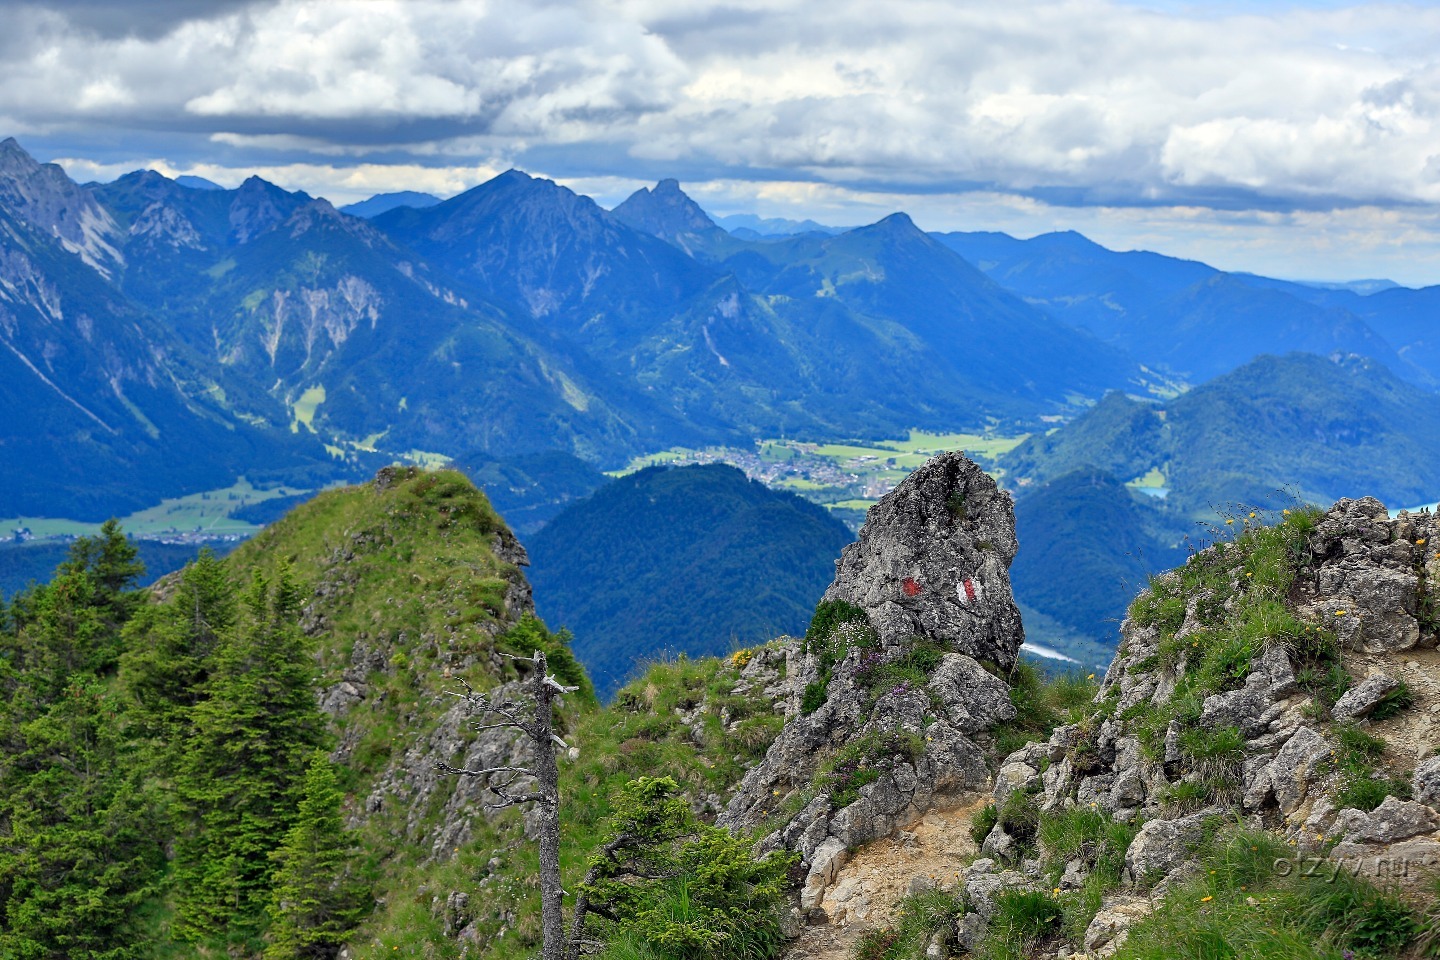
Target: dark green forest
pixel 129 729
pixel 696 560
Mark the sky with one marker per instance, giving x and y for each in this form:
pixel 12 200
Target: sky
pixel 1294 139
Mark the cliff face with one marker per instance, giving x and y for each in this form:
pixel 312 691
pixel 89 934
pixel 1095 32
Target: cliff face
pixel 1284 679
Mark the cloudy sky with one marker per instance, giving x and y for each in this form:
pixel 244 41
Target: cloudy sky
pixel 1298 139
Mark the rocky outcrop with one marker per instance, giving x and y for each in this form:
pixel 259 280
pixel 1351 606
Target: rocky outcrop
pixel 885 706
pixel 933 560
pixel 1190 726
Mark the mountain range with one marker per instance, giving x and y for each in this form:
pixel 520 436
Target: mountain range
pixel 148 321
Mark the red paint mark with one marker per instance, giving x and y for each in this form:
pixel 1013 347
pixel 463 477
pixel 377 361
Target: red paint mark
pixel 969 590
pixel 910 587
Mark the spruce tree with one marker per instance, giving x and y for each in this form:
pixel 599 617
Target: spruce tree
pixel 240 779
pixel 77 843
pixel 316 902
pixel 170 650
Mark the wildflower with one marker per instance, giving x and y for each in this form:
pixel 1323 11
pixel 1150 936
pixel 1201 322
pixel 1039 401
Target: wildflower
pixel 1249 574
pixel 1206 899
pixel 1420 542
pixel 1057 890
pixel 1339 613
pixel 1286 511
pixel 1252 516
pixel 1230 521
pixel 1090 677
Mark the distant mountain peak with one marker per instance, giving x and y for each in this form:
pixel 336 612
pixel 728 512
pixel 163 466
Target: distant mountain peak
pixel 43 194
pixel 383 202
pixel 192 182
pixel 667 212
pixel 260 206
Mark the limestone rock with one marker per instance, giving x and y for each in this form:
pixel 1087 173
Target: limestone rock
pixel 1162 845
pixel 1427 781
pixel 1392 821
pixel 1364 697
pixel 933 560
pixel 930 565
pixel 1296 765
pixel 1111 925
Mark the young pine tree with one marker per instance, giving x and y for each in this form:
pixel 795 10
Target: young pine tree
pixel 240 779
pixel 316 900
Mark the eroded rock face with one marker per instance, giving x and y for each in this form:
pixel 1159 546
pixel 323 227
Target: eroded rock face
pixel 1370 581
pixel 930 566
pixel 933 560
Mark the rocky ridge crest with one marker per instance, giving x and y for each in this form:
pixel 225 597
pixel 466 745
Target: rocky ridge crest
pixel 1239 694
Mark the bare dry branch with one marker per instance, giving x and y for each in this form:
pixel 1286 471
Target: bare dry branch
pixel 444 767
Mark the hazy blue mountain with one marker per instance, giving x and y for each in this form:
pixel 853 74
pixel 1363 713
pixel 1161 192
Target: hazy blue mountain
pixel 697 560
pixel 383 202
pixel 668 213
pixel 197 183
pixel 1320 428
pixel 556 258
pixel 941 311
pixel 105 405
pixel 284 291
pixel 749 226
pixel 1184 316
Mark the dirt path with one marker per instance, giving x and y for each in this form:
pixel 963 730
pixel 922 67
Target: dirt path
pixel 878 876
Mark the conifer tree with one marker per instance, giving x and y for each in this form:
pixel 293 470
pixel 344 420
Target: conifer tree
pixel 113 564
pixel 240 779
pixel 77 845
pixel 170 650
pixel 316 902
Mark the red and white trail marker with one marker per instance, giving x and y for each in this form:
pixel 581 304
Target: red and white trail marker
pixel 969 591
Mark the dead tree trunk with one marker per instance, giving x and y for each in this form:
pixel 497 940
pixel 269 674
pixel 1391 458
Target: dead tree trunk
pixel 534 719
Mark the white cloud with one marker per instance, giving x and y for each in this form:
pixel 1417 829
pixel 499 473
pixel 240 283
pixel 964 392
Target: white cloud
pixel 929 104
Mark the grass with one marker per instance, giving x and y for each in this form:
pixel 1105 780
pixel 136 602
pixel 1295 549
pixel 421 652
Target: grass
pixel 1362 785
pixel 1239 589
pixel 1242 906
pixel 1042 704
pixel 304 409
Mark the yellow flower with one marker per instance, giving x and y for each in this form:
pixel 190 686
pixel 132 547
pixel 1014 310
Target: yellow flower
pixel 1090 677
pixel 1339 613
pixel 1206 899
pixel 1286 511
pixel 1249 574
pixel 1252 514
pixel 1420 542
pixel 1230 521
pixel 1057 889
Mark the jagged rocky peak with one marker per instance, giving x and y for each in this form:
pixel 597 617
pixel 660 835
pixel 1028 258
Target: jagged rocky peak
pixel 887 692
pixel 666 212
pixel 1285 678
pixel 933 561
pixel 44 196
